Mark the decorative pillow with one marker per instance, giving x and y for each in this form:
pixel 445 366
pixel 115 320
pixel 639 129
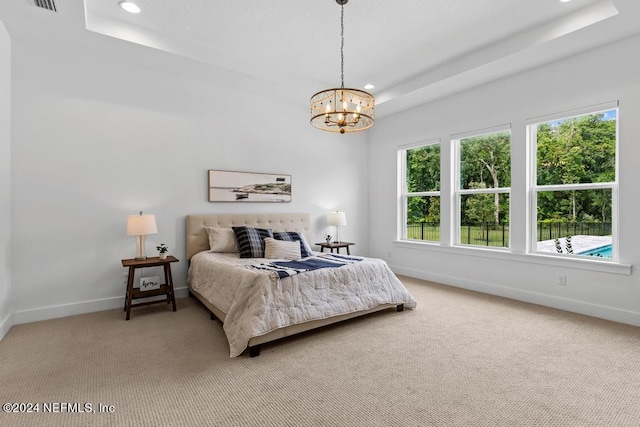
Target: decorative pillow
pixel 294 236
pixel 281 249
pixel 251 241
pixel 222 239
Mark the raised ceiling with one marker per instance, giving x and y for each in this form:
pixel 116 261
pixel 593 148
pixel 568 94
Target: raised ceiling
pixel 414 51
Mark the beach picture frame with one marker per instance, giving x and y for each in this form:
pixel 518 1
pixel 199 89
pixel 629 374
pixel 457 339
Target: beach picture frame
pixel 244 187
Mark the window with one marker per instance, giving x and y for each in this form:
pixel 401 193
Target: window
pixel 420 193
pixel 574 191
pixel 482 194
pixel 570 161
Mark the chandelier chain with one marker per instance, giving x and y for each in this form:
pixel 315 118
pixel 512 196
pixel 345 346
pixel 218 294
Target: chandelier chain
pixel 342 44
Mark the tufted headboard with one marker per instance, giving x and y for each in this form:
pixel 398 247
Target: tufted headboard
pixel 198 241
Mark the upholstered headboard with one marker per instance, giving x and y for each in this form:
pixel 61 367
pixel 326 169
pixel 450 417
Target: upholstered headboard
pixel 198 241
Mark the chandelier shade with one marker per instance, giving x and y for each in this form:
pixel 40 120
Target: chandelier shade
pixel 342 109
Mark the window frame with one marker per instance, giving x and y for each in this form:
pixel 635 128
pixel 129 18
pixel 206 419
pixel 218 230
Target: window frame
pixel 404 194
pixel 458 192
pixel 522 175
pixel 532 148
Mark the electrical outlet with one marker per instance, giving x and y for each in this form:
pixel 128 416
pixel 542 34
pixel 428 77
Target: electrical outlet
pixel 562 280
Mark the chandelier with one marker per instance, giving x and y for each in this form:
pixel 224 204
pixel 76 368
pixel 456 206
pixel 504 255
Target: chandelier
pixel 342 109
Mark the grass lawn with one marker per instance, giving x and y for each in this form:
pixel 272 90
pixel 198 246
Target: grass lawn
pixel 469 234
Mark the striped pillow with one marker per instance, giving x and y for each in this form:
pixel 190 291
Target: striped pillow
pixel 294 236
pixel 281 249
pixel 251 241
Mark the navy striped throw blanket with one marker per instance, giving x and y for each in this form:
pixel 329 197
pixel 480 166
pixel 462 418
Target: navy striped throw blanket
pixel 289 268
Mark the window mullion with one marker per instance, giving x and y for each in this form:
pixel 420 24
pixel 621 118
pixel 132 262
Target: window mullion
pixel 499 190
pixel 580 186
pixel 424 194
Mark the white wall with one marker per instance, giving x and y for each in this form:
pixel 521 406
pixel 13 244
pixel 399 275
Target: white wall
pixel 103 128
pixel 5 180
pixel 607 74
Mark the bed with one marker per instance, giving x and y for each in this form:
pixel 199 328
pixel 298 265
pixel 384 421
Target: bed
pixel 256 307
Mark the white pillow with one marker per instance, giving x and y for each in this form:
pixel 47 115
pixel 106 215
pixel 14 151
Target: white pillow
pixel 281 249
pixel 222 240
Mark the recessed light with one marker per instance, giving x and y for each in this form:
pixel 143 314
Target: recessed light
pixel 565 1
pixel 130 7
pixel 369 86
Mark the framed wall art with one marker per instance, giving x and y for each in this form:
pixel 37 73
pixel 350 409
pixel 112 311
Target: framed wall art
pixel 231 186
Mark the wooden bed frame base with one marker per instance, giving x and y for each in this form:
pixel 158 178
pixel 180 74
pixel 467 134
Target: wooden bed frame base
pixel 255 343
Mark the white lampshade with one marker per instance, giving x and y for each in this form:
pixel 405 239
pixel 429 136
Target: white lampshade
pixel 141 225
pixel 337 218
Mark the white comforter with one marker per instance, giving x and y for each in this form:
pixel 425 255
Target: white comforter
pixel 256 304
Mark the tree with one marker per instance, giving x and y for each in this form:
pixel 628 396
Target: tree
pixel 486 160
pixel 423 174
pixel 573 151
pixel 480 207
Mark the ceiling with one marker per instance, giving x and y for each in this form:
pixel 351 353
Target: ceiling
pixel 414 51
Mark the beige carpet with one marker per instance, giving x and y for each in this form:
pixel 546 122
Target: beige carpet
pixel 460 359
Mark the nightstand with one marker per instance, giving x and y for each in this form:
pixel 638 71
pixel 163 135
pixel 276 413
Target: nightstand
pixel 165 289
pixel 336 246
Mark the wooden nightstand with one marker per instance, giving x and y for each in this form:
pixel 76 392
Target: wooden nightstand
pixel 165 289
pixel 336 246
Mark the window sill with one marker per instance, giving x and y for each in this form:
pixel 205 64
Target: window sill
pixel 531 258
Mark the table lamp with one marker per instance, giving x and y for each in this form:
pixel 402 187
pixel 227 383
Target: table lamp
pixel 337 219
pixel 139 226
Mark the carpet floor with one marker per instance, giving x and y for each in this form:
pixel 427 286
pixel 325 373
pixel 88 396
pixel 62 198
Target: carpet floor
pixel 460 359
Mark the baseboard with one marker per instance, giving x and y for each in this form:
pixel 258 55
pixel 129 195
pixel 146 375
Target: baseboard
pixel 566 304
pixel 5 325
pixel 72 309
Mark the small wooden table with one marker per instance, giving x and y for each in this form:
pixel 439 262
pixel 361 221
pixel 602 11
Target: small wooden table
pixel 336 246
pixel 165 289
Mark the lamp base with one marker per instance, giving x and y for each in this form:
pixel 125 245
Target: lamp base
pixel 140 253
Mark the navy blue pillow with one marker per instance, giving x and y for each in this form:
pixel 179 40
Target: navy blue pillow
pixel 294 236
pixel 251 241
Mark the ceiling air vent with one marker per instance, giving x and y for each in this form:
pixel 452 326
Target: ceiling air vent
pixel 47 4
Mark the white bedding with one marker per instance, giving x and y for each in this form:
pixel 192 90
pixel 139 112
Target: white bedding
pixel 256 304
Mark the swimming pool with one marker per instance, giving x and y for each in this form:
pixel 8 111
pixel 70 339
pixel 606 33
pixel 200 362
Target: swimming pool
pixel 603 251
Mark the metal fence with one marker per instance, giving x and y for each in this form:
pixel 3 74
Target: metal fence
pixel 424 231
pixel 485 234
pixel 556 229
pixel 489 234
